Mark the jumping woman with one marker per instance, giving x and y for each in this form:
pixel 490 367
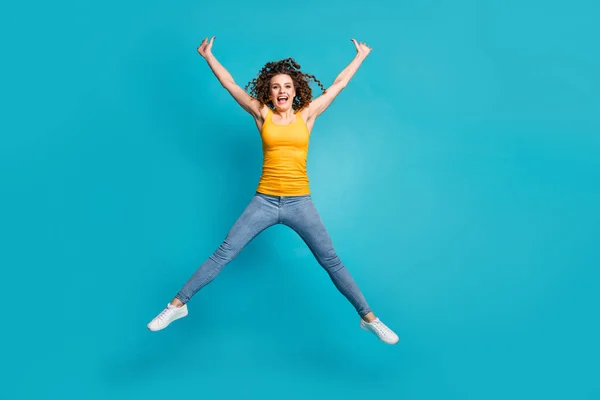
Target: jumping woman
pixel 280 101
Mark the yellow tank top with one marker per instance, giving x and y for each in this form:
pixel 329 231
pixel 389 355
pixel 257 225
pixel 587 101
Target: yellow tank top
pixel 285 150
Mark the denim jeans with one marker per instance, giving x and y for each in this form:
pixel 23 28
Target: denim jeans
pixel 298 213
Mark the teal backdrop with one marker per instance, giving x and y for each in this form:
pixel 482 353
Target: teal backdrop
pixel 458 175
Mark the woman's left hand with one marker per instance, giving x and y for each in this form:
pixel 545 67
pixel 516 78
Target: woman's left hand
pixel 361 48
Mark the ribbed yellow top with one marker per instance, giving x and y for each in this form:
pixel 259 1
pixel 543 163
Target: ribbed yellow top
pixel 285 150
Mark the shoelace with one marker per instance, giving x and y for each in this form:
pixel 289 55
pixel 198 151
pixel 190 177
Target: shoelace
pixel 379 327
pixel 164 313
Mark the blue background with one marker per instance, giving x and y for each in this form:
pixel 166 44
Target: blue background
pixel 458 175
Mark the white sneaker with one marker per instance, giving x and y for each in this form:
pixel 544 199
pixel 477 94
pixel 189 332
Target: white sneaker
pixel 380 330
pixel 166 316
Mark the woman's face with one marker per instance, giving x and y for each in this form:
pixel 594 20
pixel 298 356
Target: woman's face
pixel 282 92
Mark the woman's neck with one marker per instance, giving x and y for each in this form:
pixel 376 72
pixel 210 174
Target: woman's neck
pixel 285 115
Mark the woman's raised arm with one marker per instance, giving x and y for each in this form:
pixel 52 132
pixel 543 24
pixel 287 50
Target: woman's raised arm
pixel 320 104
pixel 248 103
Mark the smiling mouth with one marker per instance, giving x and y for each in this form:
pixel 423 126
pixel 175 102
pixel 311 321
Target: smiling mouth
pixel 282 99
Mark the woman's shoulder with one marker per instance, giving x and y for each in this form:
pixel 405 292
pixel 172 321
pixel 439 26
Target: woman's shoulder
pixel 264 111
pixel 304 112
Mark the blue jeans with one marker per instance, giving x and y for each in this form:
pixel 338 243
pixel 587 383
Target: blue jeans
pixel 298 213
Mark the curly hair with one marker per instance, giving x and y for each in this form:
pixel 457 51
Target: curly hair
pixel 259 86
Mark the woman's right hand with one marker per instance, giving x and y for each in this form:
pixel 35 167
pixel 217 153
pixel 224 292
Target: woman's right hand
pixel 205 48
pixel 361 48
